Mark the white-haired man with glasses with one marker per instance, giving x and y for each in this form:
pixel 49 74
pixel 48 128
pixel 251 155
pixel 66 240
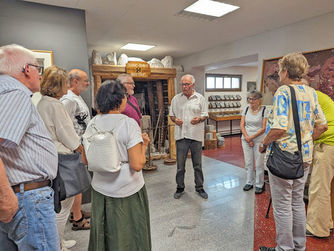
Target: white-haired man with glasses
pixel 189 110
pixel 132 109
pixel 29 155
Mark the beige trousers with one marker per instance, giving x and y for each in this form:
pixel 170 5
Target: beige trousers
pixel 320 211
pixel 62 216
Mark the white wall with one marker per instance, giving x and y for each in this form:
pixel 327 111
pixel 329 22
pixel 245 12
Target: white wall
pixel 248 74
pixel 308 35
pixel 45 27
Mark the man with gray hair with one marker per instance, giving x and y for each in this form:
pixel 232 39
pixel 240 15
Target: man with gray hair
pixel 132 109
pixel 189 110
pixel 28 154
pixel 80 116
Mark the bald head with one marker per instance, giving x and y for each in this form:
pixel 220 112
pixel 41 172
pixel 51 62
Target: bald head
pixel 78 81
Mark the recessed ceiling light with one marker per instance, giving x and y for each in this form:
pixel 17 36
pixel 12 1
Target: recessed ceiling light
pixel 211 8
pixel 137 47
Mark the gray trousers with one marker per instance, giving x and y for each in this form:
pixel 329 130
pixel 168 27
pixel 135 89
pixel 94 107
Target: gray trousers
pixel 182 148
pixel 289 211
pixel 251 153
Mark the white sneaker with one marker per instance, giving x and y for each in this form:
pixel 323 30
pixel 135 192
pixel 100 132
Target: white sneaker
pixel 69 244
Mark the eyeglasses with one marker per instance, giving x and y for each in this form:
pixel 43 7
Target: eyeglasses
pixel 186 84
pixel 129 83
pixel 39 68
pixel 252 99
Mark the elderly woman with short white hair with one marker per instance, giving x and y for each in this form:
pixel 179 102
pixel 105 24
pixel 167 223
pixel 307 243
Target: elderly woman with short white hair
pixel 253 125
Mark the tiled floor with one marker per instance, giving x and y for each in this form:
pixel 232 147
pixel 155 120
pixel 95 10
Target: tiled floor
pixel 230 220
pixel 192 223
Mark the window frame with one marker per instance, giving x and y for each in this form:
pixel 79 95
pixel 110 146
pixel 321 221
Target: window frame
pixel 215 75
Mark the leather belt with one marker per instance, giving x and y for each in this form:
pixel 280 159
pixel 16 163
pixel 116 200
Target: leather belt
pixel 32 185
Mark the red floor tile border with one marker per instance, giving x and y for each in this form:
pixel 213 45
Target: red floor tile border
pixel 230 153
pixel 264 229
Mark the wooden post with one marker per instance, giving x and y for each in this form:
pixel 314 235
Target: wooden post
pixel 161 109
pixel 151 103
pixel 171 125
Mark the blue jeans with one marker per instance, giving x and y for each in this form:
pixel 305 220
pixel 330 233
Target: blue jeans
pixel 34 225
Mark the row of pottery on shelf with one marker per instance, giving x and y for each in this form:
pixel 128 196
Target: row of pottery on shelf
pixel 224 97
pixel 217 105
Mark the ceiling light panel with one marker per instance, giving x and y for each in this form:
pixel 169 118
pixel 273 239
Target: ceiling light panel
pixel 137 47
pixel 211 8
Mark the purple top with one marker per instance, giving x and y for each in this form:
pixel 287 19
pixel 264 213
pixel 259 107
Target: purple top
pixel 130 111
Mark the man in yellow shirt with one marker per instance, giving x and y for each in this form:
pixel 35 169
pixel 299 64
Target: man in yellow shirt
pixel 320 212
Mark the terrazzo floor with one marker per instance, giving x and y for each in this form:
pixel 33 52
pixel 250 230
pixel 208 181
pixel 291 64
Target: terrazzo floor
pixel 192 223
pixel 230 220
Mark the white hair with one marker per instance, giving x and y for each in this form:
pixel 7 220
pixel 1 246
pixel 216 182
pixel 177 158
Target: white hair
pixel 190 76
pixel 13 58
pixel 123 77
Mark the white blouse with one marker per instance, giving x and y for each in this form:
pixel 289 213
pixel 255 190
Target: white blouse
pixel 59 124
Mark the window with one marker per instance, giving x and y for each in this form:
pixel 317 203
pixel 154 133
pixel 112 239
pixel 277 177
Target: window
pixel 222 82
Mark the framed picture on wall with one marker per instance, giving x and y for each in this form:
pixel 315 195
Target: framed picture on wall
pixel 251 86
pixel 320 75
pixel 45 59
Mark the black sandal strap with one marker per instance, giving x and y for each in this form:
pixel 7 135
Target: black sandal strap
pixel 81 219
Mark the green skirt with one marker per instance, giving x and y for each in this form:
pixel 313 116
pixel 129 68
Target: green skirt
pixel 120 224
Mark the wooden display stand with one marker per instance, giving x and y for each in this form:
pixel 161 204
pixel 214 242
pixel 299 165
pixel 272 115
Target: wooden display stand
pixel 225 116
pixel 104 72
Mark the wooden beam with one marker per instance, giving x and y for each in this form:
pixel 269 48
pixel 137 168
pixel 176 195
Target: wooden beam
pixel 171 90
pixel 171 141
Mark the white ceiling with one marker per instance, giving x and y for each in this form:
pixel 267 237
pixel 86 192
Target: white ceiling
pixel 113 23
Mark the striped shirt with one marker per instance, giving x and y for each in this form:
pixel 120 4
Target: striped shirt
pixel 26 148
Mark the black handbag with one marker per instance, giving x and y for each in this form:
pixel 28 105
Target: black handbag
pixel 59 192
pixel 284 164
pixel 72 178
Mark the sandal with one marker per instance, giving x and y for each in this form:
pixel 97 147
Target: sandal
pixel 85 214
pixel 81 224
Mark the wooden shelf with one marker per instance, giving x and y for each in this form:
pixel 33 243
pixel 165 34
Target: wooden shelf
pixel 225 115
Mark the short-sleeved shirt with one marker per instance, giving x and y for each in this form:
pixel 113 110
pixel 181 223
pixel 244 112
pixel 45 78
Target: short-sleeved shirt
pixel 27 150
pixel 78 111
pixel 59 124
pixel 327 106
pixel 127 181
pixel 253 122
pixel 130 111
pixel 281 117
pixel 186 109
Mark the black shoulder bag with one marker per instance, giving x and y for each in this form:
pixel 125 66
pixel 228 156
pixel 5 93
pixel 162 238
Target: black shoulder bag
pixel 284 164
